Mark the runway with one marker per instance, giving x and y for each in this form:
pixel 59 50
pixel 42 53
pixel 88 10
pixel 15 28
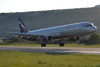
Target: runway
pixel 72 50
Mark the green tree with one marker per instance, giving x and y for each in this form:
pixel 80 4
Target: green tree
pixel 14 39
pixel 94 38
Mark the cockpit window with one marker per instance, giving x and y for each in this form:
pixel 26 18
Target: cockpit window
pixel 88 25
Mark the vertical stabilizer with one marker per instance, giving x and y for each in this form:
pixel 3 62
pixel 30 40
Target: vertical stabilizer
pixel 22 26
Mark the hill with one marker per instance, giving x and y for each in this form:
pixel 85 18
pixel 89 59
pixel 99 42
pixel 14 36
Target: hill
pixel 42 19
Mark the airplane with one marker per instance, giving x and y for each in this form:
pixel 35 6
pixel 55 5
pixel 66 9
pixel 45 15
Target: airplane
pixel 72 31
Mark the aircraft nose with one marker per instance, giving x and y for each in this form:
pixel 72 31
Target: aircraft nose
pixel 94 29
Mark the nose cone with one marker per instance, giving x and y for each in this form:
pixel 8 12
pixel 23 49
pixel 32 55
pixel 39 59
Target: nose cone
pixel 94 29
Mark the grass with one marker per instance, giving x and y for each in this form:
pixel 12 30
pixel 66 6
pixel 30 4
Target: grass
pixel 56 45
pixel 32 59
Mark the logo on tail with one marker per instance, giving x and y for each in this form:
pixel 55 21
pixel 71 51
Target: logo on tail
pixel 22 26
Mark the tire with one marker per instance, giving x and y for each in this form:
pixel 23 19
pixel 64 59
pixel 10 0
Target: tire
pixel 43 45
pixel 61 44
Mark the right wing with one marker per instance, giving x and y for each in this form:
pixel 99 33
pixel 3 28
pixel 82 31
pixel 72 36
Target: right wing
pixel 33 34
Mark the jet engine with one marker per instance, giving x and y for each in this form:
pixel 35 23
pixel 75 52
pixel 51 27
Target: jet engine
pixel 47 38
pixel 74 39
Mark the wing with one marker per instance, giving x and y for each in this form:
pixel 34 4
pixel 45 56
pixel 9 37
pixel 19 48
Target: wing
pixel 24 34
pixel 32 34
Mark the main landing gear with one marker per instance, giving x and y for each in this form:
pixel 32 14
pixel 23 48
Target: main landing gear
pixel 61 44
pixel 44 44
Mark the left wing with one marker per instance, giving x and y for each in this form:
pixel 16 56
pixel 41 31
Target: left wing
pixel 24 34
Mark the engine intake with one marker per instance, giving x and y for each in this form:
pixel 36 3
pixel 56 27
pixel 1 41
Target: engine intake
pixel 47 38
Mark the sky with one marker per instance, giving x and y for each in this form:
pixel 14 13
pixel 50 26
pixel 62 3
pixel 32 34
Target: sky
pixel 43 5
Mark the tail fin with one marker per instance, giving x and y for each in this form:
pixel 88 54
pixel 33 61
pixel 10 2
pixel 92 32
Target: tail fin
pixel 22 26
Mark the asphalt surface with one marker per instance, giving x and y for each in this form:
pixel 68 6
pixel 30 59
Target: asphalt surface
pixel 79 50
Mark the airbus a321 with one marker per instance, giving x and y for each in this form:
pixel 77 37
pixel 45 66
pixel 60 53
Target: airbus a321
pixel 45 35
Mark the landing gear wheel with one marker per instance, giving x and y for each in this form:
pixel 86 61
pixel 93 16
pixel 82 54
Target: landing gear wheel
pixel 61 44
pixel 43 45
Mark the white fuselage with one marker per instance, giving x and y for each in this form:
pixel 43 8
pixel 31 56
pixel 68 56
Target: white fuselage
pixel 70 30
pixel 48 34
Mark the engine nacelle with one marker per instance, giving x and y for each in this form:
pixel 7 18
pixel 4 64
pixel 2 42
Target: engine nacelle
pixel 47 38
pixel 74 39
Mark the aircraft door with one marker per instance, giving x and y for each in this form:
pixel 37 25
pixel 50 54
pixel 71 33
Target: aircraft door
pixel 65 30
pixel 80 27
pixel 62 30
